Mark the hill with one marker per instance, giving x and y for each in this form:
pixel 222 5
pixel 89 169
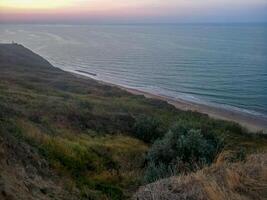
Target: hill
pixel 64 136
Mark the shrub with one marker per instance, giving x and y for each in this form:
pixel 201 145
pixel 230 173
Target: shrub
pixel 147 129
pixel 181 149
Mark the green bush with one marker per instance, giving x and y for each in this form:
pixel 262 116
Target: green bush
pixel 182 149
pixel 147 128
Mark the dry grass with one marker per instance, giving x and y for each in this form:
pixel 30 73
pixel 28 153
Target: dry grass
pixel 222 181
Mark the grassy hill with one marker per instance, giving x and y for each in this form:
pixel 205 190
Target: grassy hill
pixel 63 136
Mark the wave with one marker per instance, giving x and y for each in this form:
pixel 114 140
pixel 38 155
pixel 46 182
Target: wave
pixel 155 90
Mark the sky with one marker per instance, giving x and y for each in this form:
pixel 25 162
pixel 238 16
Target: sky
pixel 132 11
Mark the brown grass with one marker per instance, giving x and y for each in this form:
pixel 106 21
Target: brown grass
pixel 222 181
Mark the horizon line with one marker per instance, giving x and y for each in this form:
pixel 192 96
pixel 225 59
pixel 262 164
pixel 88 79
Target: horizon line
pixel 130 23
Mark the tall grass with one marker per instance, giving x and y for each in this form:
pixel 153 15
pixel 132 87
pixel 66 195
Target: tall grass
pixel 107 163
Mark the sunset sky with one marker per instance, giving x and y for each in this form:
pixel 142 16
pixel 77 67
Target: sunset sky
pixel 132 11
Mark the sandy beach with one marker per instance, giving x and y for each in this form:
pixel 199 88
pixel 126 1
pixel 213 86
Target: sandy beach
pixel 248 121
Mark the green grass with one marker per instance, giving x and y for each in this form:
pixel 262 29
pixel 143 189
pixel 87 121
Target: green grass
pixel 106 165
pixel 87 130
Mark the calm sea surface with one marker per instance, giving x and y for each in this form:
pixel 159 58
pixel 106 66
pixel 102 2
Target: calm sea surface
pixel 222 65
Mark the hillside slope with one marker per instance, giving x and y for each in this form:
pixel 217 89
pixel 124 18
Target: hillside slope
pixel 63 136
pixel 26 175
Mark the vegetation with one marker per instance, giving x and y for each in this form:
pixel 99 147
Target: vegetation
pixel 148 129
pixel 222 180
pixel 181 150
pixel 101 137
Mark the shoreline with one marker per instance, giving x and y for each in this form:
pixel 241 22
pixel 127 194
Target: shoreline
pixel 248 121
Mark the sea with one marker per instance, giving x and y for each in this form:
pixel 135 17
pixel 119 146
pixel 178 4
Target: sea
pixel 222 65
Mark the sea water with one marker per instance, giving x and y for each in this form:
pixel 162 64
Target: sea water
pixel 223 65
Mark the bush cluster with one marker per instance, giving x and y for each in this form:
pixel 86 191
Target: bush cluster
pixel 182 149
pixel 147 128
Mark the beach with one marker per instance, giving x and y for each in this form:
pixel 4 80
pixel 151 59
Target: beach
pixel 248 121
